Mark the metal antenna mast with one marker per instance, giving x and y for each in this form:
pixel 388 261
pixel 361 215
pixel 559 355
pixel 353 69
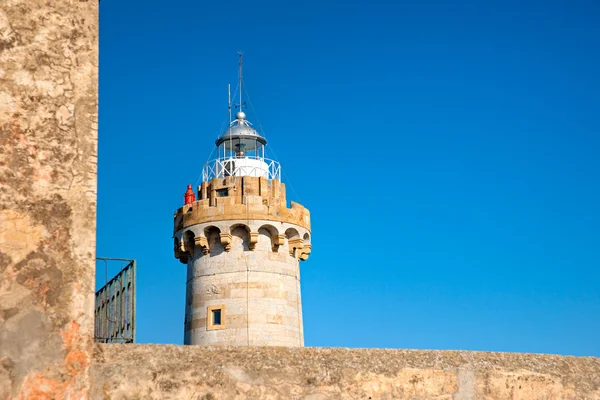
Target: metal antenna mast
pixel 229 101
pixel 229 129
pixel 241 78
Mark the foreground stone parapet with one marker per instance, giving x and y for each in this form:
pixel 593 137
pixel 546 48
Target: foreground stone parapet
pixel 48 143
pixel 192 372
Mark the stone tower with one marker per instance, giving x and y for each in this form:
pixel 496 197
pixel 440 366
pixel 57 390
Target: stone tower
pixel 242 246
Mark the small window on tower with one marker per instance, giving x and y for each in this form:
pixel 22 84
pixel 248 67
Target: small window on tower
pixel 223 192
pixel 215 317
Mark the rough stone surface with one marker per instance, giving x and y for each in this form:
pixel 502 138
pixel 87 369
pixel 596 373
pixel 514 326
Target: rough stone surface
pixel 48 142
pixel 194 372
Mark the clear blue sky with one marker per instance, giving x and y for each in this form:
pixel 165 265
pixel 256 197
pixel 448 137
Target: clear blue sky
pixel 448 152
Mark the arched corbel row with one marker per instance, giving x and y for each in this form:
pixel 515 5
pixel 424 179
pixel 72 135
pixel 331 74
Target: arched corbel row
pixel 298 247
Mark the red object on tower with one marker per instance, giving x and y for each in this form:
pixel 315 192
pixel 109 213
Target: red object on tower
pixel 189 197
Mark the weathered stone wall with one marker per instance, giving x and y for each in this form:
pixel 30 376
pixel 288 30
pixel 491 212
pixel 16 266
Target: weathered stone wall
pixel 48 142
pixel 193 372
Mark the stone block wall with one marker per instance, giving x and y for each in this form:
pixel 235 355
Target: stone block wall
pixel 202 373
pixel 48 142
pixel 271 191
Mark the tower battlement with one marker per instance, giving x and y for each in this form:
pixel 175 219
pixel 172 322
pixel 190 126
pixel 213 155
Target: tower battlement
pixel 241 198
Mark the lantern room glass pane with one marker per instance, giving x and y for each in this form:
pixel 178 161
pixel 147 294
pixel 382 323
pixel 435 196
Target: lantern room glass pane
pixel 242 147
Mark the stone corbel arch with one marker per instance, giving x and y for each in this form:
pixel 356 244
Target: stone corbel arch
pixel 179 252
pixel 226 240
pixel 184 248
pixel 204 240
pixel 202 243
pixel 277 239
pixel 253 240
pixel 306 247
pixel 295 242
pixel 250 240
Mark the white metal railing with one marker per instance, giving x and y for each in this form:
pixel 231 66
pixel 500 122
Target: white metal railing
pixel 221 168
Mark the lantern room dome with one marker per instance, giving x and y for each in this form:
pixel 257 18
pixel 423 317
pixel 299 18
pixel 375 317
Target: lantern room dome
pixel 241 128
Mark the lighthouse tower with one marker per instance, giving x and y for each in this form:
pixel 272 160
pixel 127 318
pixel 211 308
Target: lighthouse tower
pixel 242 246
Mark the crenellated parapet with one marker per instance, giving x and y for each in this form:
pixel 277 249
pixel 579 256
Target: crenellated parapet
pixel 242 198
pixel 238 198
